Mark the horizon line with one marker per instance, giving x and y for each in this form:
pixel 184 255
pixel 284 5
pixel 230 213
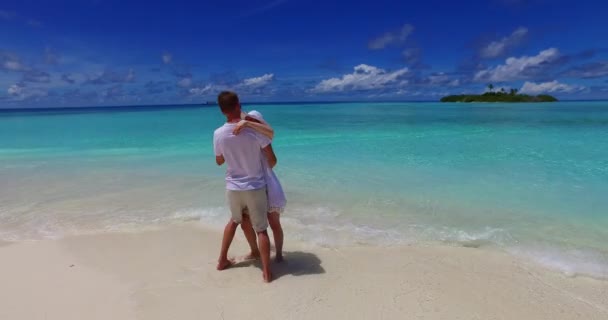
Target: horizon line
pixel 203 105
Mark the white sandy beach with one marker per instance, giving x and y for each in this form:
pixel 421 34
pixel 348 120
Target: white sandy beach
pixel 170 274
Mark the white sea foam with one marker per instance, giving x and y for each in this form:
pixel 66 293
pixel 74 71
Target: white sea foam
pixel 573 262
pixel 486 236
pixel 318 226
pixel 325 227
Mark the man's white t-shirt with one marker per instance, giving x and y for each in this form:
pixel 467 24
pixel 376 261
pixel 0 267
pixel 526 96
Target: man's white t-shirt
pixel 244 170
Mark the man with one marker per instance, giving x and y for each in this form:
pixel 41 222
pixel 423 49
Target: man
pixel 245 183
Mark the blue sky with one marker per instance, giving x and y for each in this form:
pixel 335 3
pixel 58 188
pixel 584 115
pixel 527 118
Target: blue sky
pixel 101 52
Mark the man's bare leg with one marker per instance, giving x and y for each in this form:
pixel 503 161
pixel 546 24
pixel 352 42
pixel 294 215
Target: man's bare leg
pixel 250 236
pixel 264 244
pixel 229 232
pixel 277 233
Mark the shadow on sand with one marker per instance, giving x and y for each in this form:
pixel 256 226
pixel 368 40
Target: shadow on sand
pixel 296 263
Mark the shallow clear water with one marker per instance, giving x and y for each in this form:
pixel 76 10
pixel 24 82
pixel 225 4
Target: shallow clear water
pixel 528 178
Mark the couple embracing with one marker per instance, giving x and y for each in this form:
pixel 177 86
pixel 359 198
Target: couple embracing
pixel 253 192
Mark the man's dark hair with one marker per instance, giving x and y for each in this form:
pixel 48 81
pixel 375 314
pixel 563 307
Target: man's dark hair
pixel 228 101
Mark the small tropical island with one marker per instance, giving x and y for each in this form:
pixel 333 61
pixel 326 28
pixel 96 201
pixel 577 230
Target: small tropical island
pixel 498 96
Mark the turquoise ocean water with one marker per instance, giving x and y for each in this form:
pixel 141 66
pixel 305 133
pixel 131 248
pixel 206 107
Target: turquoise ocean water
pixel 530 179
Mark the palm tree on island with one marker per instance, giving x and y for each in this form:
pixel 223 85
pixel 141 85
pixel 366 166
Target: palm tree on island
pixel 500 96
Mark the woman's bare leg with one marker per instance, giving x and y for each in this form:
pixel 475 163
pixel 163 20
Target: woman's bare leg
pixel 277 233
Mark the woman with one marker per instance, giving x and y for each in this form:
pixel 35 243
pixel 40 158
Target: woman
pixel 276 196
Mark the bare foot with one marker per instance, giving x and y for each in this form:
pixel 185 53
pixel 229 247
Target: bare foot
pixel 224 264
pixel 254 255
pixel 267 277
pixel 279 258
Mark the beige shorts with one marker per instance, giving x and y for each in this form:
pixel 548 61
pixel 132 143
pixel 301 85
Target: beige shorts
pixel 256 203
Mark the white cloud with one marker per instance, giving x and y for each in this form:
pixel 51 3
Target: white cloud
pixel 439 78
pixel 250 86
pixel 364 77
pixel 14 90
pixel 69 78
pixel 259 81
pixel 591 70
pixel 389 38
pixel 108 77
pixel 36 76
pixel 115 92
pixel 442 79
pixel 202 91
pixel 167 58
pixel 13 65
pixel 10 62
pixel 185 82
pixel 499 48
pixel 19 93
pixel 548 87
pixel 519 68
